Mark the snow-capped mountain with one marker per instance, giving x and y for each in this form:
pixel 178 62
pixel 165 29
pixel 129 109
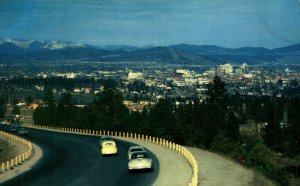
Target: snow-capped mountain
pixel 40 45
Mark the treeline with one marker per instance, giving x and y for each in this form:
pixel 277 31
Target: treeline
pixel 2 107
pixel 192 123
pixel 56 82
pixel 211 124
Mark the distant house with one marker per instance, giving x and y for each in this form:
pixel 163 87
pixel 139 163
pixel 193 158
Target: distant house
pixel 77 90
pixel 36 104
pixel 33 106
pixel 134 106
pixel 87 90
pixel 21 103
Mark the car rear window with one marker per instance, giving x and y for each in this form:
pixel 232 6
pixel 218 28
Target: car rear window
pixel 139 155
pixel 109 144
pixel 137 149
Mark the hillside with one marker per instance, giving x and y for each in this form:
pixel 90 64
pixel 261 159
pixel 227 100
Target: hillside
pixel 12 51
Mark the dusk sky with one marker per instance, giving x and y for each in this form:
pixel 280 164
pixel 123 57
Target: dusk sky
pixel 227 23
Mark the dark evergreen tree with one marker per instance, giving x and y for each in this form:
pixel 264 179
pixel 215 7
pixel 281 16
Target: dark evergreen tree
pixel 16 110
pixel 215 109
pixel 294 129
pixel 232 127
pixel 2 107
pixel 65 111
pixel 29 99
pixel 111 113
pixel 50 118
pixel 162 119
pixel 40 116
pixel 217 92
pixel 273 116
pixel 198 133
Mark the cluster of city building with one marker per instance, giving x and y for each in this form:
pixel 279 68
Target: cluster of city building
pixel 184 83
pixel 238 79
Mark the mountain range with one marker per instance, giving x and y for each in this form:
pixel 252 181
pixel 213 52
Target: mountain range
pixel 30 50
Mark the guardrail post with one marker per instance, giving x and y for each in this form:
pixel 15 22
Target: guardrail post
pixel 16 161
pixel 3 167
pixel 12 163
pixel 7 165
pixel 20 162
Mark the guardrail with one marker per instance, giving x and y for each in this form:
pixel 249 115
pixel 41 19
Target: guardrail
pixel 159 141
pixel 19 159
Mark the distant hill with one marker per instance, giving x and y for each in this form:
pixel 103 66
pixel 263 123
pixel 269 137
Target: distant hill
pixel 244 54
pixel 22 51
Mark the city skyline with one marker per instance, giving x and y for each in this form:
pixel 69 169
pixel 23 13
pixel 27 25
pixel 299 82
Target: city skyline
pixel 231 24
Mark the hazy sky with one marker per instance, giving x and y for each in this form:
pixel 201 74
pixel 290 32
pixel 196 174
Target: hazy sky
pixel 228 23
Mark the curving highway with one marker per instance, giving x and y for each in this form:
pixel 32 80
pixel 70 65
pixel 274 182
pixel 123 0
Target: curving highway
pixel 70 159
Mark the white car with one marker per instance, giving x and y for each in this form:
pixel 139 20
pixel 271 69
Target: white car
pixel 104 138
pixel 109 147
pixel 135 148
pixel 140 161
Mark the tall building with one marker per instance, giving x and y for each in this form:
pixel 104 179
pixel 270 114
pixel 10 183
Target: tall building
pixel 228 68
pixel 244 68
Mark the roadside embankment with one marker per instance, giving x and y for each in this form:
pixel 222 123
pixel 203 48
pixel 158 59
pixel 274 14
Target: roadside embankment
pixel 10 149
pixel 217 170
pixel 17 156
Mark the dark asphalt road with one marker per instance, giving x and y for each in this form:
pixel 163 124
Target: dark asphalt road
pixel 70 159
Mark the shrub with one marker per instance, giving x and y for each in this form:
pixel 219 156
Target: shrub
pixel 260 158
